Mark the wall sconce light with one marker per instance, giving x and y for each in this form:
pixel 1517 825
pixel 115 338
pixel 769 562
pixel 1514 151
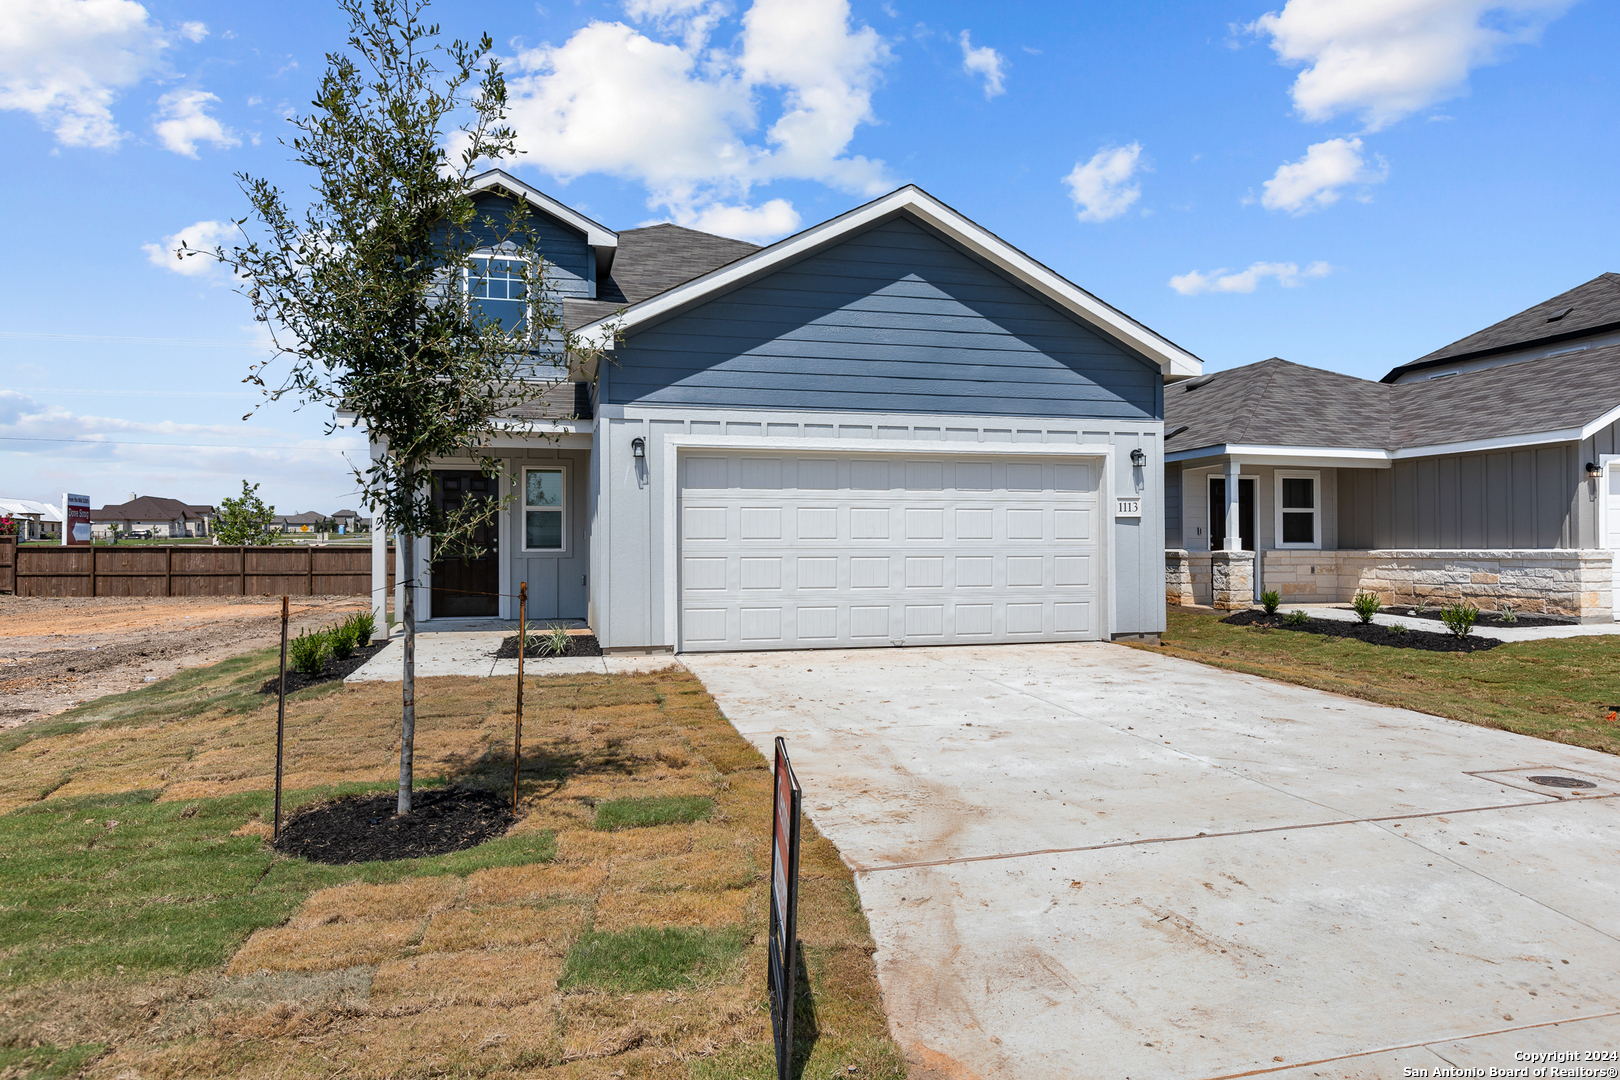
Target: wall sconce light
pixel 1138 458
pixel 638 448
pixel 1594 470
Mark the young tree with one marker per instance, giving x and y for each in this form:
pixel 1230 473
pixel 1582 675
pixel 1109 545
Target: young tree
pixel 370 289
pixel 245 520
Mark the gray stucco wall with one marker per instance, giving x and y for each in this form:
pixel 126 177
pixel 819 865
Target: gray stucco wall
pixel 1528 498
pixel 894 319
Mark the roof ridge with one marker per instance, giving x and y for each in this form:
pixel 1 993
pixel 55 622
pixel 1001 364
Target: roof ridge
pixel 1269 367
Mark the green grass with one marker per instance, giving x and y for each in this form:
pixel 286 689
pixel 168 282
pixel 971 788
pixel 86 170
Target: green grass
pixel 670 810
pixel 651 958
pixel 46 1062
pixel 168 889
pixel 1561 689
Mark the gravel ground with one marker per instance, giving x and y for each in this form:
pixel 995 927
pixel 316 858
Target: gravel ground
pixel 59 652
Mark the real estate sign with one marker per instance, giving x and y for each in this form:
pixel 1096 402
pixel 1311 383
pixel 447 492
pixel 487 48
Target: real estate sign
pixel 75 519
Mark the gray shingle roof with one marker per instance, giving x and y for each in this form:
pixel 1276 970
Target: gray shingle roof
pixel 1277 403
pixel 151 508
pixel 652 260
pixel 1591 306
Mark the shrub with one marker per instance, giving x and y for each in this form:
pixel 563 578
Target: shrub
pixel 1508 614
pixel 1459 617
pixel 1269 600
pixel 308 651
pixel 365 628
pixel 1396 628
pixel 1366 605
pixel 554 640
pixel 344 639
pixel 1298 618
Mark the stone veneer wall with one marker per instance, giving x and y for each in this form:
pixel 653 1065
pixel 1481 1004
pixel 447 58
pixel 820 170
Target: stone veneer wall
pixel 1574 584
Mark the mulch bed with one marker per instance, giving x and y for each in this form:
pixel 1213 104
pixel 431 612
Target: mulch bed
pixel 364 828
pixel 578 645
pixel 1486 618
pixel 334 670
pixel 1372 633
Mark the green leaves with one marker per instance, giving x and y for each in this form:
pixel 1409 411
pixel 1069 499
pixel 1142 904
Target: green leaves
pixel 245 520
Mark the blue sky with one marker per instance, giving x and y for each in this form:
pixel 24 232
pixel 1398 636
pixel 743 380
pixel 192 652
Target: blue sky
pixel 1348 185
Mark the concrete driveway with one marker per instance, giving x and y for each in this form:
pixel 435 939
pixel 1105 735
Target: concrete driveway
pixel 1091 861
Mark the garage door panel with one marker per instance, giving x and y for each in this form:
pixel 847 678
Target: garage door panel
pixel 785 550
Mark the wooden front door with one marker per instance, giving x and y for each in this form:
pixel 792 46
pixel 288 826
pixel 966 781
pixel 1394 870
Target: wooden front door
pixel 466 588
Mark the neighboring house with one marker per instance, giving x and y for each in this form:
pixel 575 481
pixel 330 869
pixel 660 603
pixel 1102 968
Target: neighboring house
pixel 149 515
pixel 1486 471
pixel 349 522
pixel 308 522
pixel 891 428
pixel 35 520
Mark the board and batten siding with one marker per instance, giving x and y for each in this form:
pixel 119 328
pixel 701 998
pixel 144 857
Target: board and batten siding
pixel 1585 507
pixel 1172 506
pixel 1493 499
pixel 893 319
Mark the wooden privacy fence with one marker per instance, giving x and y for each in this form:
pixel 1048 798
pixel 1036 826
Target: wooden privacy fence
pixel 8 563
pixel 189 571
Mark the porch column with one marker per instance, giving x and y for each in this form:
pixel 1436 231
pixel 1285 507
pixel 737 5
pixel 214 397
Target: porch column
pixel 400 576
pixel 379 578
pixel 1234 520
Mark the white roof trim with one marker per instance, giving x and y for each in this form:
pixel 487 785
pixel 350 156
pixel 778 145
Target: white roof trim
pixel 1373 457
pixel 1497 442
pixel 1352 456
pixel 1610 417
pixel 596 234
pixel 1173 361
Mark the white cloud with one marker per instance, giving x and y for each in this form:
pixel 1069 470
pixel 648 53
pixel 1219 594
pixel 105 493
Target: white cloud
pixel 985 62
pixel 684 118
pixel 205 236
pixel 1288 275
pixel 1385 59
pixel 762 224
pixel 193 31
pixel 65 61
pixel 1314 180
pixel 183 121
pixel 1102 188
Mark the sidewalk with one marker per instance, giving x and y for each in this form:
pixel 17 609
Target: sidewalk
pixel 1501 633
pixel 472 652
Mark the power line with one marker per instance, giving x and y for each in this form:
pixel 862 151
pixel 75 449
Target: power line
pixel 178 446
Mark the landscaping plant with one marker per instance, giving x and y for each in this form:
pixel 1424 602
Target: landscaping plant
pixel 555 640
pixel 1459 617
pixel 1298 618
pixel 365 628
pixel 1396 628
pixel 1366 605
pixel 343 639
pixel 308 651
pixel 245 520
pixel 1270 600
pixel 1508 614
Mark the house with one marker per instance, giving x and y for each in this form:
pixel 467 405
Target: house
pixel 149 515
pixel 35 520
pixel 349 522
pixel 891 428
pixel 310 521
pixel 1484 471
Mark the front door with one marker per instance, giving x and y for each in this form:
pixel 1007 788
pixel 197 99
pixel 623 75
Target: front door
pixel 467 588
pixel 1217 513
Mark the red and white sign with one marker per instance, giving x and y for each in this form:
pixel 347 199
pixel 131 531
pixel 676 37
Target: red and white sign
pixel 75 519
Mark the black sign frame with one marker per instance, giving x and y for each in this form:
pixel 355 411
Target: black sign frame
pixel 781 944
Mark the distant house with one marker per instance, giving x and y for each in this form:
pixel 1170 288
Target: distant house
pixel 349 521
pixel 149 515
pixel 1488 470
pixel 35 520
pixel 308 522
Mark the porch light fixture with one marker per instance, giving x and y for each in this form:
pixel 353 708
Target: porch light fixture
pixel 638 448
pixel 1138 458
pixel 1594 470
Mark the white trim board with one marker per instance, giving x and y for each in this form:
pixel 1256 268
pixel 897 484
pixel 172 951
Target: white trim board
pixel 1173 361
pixel 597 235
pixel 674 444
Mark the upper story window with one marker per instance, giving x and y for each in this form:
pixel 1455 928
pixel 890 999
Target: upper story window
pixel 497 287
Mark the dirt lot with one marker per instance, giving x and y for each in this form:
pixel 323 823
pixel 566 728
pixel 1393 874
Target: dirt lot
pixel 56 653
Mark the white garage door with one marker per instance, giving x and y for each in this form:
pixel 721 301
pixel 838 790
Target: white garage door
pixel 792 551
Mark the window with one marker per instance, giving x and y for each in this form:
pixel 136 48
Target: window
pixel 545 516
pixel 496 287
pixel 1298 509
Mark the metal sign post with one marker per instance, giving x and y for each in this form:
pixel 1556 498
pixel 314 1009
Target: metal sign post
pixel 781 944
pixel 517 731
pixel 281 719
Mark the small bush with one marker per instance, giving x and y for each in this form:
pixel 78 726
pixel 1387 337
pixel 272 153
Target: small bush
pixel 1298 618
pixel 308 651
pixel 1270 599
pixel 1508 614
pixel 1459 617
pixel 1396 628
pixel 669 810
pixel 365 628
pixel 554 640
pixel 651 958
pixel 1366 605
pixel 343 639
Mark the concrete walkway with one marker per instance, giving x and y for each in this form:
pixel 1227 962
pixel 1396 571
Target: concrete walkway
pixel 1501 633
pixel 472 652
pixel 1091 861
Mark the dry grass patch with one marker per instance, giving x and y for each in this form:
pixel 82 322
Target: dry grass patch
pixel 174 943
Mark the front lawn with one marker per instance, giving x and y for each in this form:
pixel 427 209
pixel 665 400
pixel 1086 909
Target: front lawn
pixel 147 929
pixel 1562 690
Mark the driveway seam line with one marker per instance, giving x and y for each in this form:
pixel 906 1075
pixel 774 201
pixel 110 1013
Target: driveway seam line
pixel 1220 835
pixel 1413 1046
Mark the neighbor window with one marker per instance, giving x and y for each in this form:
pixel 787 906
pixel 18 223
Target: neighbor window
pixel 1298 509
pixel 544 512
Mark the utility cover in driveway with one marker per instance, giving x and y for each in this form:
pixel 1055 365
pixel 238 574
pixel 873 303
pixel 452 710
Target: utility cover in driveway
pixel 804 550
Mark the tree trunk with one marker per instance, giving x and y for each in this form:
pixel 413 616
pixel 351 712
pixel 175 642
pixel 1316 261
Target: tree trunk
pixel 407 727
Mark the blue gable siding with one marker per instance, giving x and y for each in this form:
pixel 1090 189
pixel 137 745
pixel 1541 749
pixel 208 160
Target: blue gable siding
pixel 894 319
pixel 573 266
